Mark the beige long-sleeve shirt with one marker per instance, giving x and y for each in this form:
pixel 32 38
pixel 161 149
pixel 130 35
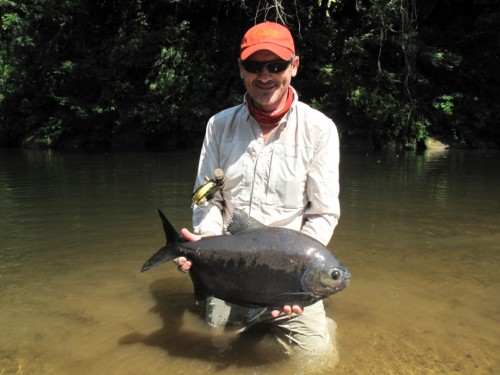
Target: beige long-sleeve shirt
pixel 292 180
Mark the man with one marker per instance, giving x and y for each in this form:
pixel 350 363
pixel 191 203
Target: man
pixel 280 158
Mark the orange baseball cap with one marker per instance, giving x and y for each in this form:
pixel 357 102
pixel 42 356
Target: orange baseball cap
pixel 269 36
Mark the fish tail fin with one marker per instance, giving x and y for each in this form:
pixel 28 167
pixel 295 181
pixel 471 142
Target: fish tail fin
pixel 170 250
pixel 171 234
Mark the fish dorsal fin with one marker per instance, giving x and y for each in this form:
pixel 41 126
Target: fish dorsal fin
pixel 242 222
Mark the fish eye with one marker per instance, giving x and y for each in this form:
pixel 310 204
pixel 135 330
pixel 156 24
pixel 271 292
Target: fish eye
pixel 335 275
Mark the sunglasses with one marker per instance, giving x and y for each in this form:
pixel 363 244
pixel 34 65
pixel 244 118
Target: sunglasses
pixel 272 66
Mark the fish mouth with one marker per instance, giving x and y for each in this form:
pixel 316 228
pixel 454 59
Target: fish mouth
pixel 346 278
pixel 347 281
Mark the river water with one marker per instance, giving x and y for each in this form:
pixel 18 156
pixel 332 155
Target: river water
pixel 420 234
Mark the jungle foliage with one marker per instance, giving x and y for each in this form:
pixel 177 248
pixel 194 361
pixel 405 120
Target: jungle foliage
pixel 148 74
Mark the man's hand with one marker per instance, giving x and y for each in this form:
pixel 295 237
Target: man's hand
pixel 288 310
pixel 182 263
pixel 188 236
pixel 185 264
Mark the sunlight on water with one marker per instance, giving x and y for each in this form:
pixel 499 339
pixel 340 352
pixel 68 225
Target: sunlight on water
pixel 419 233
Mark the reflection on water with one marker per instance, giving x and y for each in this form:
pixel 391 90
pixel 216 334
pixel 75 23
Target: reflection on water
pixel 420 234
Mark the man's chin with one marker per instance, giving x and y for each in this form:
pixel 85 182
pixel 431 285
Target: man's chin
pixel 267 104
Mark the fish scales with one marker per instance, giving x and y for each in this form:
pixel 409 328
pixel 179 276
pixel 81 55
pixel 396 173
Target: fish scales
pixel 253 275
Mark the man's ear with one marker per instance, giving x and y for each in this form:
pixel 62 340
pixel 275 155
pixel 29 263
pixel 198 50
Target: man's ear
pixel 295 65
pixel 241 68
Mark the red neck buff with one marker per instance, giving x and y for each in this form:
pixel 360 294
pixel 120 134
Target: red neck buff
pixel 270 119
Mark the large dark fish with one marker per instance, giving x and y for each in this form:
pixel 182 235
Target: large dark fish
pixel 256 266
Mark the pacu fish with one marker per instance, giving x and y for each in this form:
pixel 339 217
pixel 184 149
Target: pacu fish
pixel 256 266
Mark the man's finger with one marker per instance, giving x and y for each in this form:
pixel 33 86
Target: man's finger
pixel 297 309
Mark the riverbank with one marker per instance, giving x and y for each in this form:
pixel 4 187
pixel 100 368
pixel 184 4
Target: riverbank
pixel 136 142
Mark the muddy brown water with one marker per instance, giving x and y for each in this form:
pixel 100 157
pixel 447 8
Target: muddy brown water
pixel 420 234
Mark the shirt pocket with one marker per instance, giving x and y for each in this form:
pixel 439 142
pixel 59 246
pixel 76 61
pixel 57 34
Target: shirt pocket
pixel 287 177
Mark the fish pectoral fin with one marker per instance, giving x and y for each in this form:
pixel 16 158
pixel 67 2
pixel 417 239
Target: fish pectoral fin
pixel 255 314
pixel 298 298
pixel 293 296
